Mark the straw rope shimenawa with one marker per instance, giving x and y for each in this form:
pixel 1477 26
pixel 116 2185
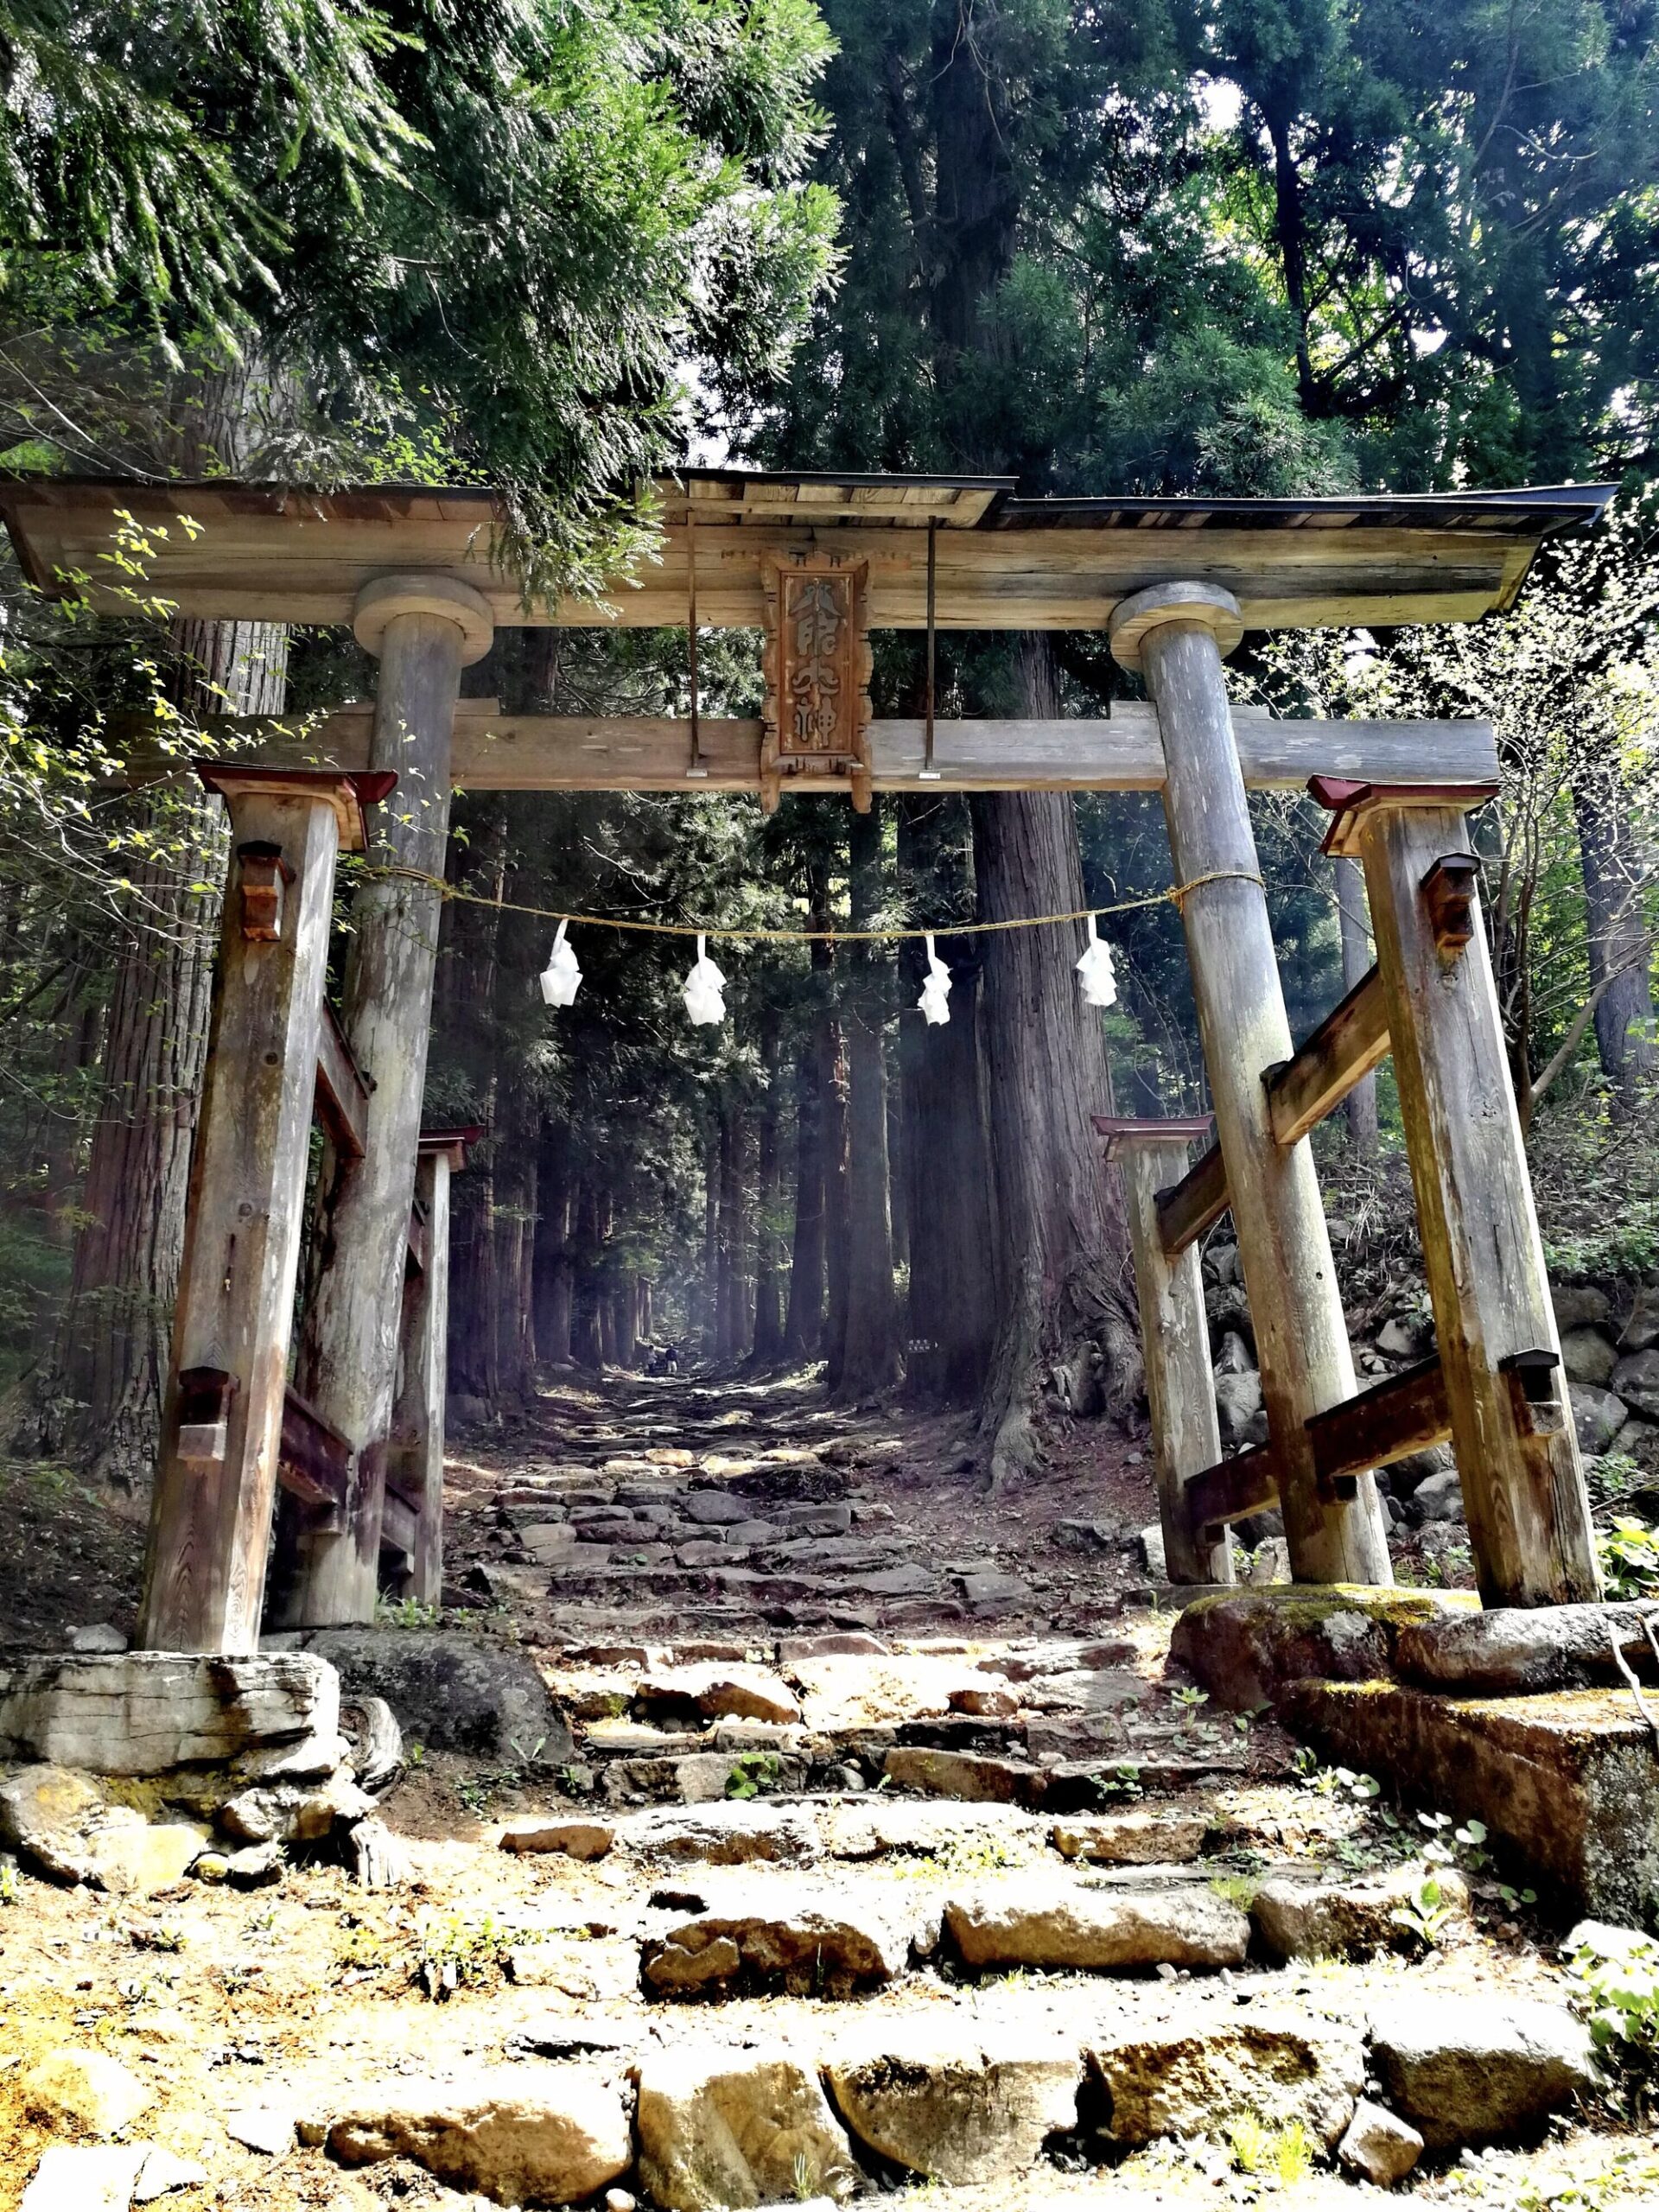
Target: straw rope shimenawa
pixel 1175 896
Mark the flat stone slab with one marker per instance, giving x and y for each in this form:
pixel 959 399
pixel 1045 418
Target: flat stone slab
pixel 1571 1780
pixel 514 2132
pixel 811 1937
pixel 1036 1921
pixel 1192 2075
pixel 147 1712
pixel 1517 1649
pixel 738 2128
pixel 730 1834
pixel 959 2108
pixel 1309 1916
pixel 1142 1838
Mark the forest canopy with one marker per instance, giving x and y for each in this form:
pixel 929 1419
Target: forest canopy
pixel 1299 248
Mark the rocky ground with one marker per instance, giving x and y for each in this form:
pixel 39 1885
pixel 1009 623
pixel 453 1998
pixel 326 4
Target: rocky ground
pixel 785 1819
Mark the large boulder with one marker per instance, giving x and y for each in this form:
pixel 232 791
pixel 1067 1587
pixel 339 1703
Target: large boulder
pixel 1598 1416
pixel 1514 1649
pixel 1247 1647
pixel 66 1829
pixel 1312 1918
pixel 1033 1921
pixel 729 1834
pixel 959 2108
pixel 1588 1357
pixel 451 1692
pixel 147 1712
pixel 1238 1399
pixel 519 2133
pixel 737 2128
pixel 1440 1498
pixel 1193 2074
pixel 1635 1379
pixel 1641 1331
pixel 1478 2069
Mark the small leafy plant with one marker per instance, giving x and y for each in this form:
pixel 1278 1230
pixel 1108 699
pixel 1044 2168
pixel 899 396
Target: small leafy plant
pixel 754 1773
pixel 453 1951
pixel 1615 1973
pixel 1427 1916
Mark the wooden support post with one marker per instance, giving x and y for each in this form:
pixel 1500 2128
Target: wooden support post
pixel 1176 633
pixel 415 1465
pixel 1512 1433
pixel 1175 1344
pixel 424 629
pixel 216 1480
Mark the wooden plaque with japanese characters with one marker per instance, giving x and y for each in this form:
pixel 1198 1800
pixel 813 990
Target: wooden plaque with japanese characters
pixel 817 665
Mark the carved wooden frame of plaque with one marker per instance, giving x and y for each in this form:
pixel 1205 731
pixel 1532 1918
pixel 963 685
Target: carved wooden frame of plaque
pixel 817 665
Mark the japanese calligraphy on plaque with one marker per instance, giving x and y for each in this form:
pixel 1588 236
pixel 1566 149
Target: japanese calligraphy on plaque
pixel 817 665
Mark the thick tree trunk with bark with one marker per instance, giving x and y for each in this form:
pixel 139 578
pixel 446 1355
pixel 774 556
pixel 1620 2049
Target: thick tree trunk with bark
pixel 102 1396
pixel 952 1314
pixel 467 971
pixel 768 1240
pixel 552 1244
pixel 870 1357
pixel 1062 1242
pixel 833 1093
pixel 585 1292
pixel 804 1324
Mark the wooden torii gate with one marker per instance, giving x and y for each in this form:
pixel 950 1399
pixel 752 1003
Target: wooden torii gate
pixel 817 562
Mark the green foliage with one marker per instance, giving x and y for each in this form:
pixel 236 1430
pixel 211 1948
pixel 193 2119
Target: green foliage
pixel 1630 1557
pixel 453 1951
pixel 754 1774
pixel 1615 1974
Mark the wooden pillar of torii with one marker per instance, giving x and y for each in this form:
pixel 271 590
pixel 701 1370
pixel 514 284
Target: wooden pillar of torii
pixel 1494 1387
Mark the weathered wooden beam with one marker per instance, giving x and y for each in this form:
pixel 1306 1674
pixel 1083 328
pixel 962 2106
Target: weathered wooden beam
pixel 1175 1348
pixel 1191 1208
pixel 497 752
pixel 1407 1414
pixel 1523 1487
pixel 1175 635
pixel 216 1477
pixel 1231 1491
pixel 424 629
pixel 399 1528
pixel 1345 1048
pixel 342 1097
pixel 316 1463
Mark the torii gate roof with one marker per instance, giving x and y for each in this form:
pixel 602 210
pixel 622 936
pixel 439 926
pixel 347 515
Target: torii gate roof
pixel 282 553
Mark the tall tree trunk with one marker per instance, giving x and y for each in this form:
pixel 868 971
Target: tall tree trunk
pixel 1613 880
pixel 734 1316
pixel 768 1241
pixel 585 1285
pixel 950 1317
pixel 552 1244
pixel 465 991
pixel 833 1091
pixel 102 1394
pixel 1062 1246
pixel 870 1354
pixel 713 1172
pixel 1361 1105
pixel 804 1324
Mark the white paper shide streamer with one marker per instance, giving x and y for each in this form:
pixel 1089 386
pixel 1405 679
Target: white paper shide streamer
pixel 562 977
pixel 936 988
pixel 1094 972
pixel 702 989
